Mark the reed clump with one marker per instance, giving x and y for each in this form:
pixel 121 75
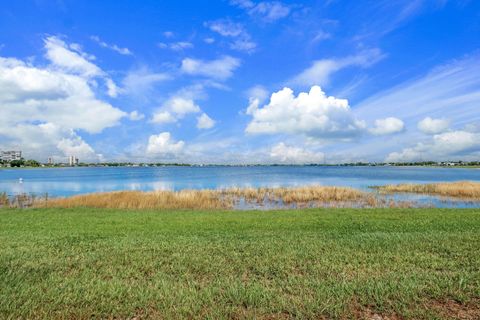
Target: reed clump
pixel 296 194
pixel 4 200
pixel 310 196
pixel 185 199
pixel 319 194
pixel 466 190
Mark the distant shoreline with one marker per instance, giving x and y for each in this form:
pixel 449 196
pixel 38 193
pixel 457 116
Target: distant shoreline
pixel 460 166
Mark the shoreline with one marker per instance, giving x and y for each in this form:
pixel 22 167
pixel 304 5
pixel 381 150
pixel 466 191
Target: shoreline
pixel 425 164
pixel 244 166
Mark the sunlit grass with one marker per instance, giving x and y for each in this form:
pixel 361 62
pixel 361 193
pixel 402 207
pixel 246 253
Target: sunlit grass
pixel 292 264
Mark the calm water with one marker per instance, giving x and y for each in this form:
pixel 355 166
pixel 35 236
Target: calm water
pixel 70 181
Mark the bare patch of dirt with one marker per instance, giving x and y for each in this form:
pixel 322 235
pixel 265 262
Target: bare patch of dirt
pixel 451 309
pixel 368 313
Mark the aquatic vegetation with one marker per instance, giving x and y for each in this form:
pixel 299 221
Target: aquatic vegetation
pixel 243 198
pixel 184 199
pixel 22 200
pixel 466 190
pixel 298 196
pixel 4 201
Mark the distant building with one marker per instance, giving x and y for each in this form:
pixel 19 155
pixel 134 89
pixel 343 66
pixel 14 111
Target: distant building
pixel 10 155
pixel 50 160
pixel 73 161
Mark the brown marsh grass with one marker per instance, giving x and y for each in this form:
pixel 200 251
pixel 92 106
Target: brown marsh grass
pixel 185 199
pixel 4 201
pixel 466 190
pixel 298 197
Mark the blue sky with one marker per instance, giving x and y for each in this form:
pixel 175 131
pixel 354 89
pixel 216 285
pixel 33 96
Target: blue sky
pixel 241 81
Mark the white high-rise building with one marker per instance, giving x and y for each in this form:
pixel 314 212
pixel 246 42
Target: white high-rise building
pixel 73 161
pixel 10 155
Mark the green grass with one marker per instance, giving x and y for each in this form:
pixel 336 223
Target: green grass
pixel 320 263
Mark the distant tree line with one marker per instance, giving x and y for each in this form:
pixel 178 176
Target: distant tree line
pixel 33 163
pixel 21 163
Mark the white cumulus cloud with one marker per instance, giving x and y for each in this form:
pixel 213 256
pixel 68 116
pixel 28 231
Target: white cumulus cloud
pixel 77 147
pixel 295 155
pixel 136 116
pixel 205 122
pixel 163 145
pixel 43 106
pixel 433 126
pixel 388 125
pixel 69 59
pixel 175 109
pixel 163 117
pixel 451 145
pixel 256 95
pixel 113 90
pixel 311 114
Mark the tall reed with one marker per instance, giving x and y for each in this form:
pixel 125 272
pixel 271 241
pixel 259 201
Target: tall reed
pixel 462 189
pixel 185 199
pixel 218 199
pixel 4 201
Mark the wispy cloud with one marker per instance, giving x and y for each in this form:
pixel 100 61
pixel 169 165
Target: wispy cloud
pixel 168 34
pixel 450 91
pixel 386 16
pixel 320 71
pixel 220 69
pixel 227 28
pixel 267 11
pixel 114 47
pixel 440 93
pixel 141 81
pixel 320 36
pixel 176 46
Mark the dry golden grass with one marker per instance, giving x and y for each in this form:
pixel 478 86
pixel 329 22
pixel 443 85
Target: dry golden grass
pixel 4 201
pixel 311 196
pixel 185 199
pixel 462 189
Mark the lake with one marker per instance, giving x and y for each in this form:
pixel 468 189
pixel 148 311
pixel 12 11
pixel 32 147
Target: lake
pixel 78 180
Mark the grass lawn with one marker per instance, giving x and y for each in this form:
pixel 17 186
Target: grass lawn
pixel 317 263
